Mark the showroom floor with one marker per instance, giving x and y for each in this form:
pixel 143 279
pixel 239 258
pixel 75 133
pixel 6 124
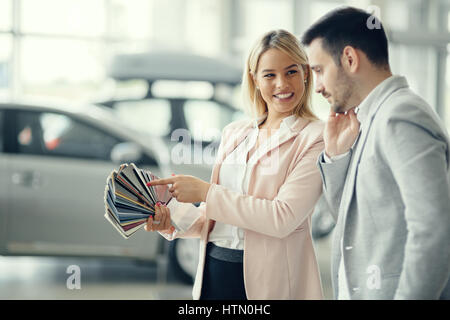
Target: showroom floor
pixel 98 279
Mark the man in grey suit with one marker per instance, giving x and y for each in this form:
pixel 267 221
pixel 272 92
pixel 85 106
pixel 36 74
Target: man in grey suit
pixel 385 167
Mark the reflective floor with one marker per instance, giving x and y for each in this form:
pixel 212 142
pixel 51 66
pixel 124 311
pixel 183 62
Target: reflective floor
pixel 86 278
pixel 99 279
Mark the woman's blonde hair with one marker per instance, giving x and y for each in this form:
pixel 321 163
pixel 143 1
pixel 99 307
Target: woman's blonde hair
pixel 289 44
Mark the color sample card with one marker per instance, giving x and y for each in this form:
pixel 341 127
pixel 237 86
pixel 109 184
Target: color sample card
pixel 129 201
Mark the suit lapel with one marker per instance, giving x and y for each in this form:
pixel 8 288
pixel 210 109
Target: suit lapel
pixel 393 84
pixel 349 187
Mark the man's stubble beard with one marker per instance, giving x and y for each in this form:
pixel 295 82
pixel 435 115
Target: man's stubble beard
pixel 344 91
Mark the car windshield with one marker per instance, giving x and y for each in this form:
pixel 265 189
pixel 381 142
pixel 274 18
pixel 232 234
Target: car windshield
pixel 149 115
pixel 108 116
pixel 204 119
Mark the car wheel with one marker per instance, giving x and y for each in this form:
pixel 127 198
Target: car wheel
pixel 183 259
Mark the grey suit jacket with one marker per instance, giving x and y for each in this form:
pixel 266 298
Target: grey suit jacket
pixel 390 197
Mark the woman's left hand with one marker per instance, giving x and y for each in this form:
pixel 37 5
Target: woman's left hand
pixel 185 188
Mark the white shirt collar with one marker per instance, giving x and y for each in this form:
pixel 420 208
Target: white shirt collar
pixel 286 123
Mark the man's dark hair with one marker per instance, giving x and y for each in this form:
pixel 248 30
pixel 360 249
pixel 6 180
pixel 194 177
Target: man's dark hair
pixel 349 26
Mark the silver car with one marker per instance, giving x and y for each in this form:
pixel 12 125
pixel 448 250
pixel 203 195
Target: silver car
pixel 170 92
pixel 54 161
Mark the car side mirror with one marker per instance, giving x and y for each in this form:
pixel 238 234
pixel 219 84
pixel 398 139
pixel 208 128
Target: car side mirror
pixel 126 152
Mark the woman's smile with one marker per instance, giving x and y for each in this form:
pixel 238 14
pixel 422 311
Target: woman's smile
pixel 284 97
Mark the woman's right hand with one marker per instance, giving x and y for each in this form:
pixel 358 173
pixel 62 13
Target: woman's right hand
pixel 161 222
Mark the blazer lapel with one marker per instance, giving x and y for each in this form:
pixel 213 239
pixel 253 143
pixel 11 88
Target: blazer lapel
pixel 293 130
pixel 229 147
pixel 393 84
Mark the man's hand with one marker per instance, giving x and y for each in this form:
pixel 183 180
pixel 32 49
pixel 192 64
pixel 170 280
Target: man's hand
pixel 185 188
pixel 341 131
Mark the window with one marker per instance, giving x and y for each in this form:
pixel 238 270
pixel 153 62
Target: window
pixel 421 76
pixel 5 15
pixel 204 28
pixel 396 15
pixel 64 17
pixel 59 135
pixel 5 64
pixel 260 16
pixel 130 19
pixel 50 66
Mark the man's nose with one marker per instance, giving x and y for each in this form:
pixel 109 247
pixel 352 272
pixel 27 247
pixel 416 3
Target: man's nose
pixel 318 87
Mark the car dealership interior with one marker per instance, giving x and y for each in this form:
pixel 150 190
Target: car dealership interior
pixel 106 82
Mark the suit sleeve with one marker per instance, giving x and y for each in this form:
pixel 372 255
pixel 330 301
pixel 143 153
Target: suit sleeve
pixel 279 217
pixel 417 152
pixel 333 178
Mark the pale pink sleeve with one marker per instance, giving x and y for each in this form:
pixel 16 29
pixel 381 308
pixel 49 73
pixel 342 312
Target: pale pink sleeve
pixel 279 217
pixel 187 219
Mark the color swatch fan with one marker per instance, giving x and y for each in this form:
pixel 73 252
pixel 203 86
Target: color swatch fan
pixel 129 201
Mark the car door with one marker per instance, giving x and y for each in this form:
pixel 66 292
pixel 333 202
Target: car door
pixel 58 168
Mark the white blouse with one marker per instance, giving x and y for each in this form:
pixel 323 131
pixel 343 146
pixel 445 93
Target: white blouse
pixel 235 173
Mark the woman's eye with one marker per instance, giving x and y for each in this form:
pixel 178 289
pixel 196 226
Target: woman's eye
pixel 290 72
pixel 269 75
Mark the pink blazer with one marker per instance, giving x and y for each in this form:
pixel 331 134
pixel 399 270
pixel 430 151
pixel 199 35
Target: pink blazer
pixel 279 257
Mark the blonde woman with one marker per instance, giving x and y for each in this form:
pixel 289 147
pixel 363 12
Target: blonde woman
pixel 255 218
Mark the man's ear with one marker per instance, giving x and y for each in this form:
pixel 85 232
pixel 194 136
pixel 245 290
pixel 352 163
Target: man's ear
pixel 350 59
